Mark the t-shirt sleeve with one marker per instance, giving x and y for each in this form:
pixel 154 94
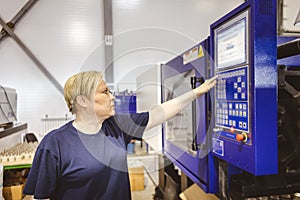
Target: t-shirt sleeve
pixel 41 181
pixel 132 124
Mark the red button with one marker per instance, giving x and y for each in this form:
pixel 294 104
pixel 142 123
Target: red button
pixel 240 137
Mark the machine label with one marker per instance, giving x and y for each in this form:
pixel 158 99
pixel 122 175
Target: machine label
pixel 218 146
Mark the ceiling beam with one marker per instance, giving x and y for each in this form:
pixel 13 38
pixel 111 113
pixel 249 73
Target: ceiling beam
pixel 17 17
pixel 31 55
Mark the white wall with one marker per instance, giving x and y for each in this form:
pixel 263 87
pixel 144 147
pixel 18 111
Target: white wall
pixel 290 11
pixel 67 36
pixel 61 34
pixel 147 32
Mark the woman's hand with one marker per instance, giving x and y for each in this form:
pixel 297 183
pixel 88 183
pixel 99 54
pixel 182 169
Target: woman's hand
pixel 206 86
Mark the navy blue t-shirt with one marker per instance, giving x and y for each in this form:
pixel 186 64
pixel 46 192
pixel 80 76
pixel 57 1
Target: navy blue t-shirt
pixel 69 164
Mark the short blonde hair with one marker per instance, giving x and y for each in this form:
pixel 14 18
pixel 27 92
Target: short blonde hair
pixel 82 83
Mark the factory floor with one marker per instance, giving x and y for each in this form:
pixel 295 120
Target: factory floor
pixel 150 173
pixel 147 193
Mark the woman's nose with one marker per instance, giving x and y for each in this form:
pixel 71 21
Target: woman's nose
pixel 112 97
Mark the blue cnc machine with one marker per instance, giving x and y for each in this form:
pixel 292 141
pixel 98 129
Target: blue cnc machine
pixel 242 139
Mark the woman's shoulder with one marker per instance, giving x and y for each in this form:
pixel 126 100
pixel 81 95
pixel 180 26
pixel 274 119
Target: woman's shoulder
pixel 58 134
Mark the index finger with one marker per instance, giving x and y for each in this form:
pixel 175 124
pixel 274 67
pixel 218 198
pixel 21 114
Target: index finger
pixel 213 78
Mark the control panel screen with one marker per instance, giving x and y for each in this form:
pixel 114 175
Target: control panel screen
pixel 231 44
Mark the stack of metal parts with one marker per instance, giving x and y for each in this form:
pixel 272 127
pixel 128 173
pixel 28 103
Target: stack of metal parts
pixel 21 151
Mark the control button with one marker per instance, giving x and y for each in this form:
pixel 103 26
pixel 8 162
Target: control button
pixel 241 137
pixel 244 106
pixel 240 125
pixel 233 123
pixel 232 129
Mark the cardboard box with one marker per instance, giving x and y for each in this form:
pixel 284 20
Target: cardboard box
pixel 136 177
pixel 13 192
pixel 194 192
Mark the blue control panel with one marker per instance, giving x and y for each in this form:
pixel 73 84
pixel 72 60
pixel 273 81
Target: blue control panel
pixel 243 48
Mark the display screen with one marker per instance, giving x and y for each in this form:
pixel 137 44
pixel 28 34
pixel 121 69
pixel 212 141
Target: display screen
pixel 231 48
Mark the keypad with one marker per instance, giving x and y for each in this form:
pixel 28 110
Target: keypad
pixel 232 99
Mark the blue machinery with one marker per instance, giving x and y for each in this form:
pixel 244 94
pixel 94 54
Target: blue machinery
pixel 244 136
pixel 185 142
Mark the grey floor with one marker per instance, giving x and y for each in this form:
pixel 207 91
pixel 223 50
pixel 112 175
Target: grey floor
pixel 147 193
pixel 150 173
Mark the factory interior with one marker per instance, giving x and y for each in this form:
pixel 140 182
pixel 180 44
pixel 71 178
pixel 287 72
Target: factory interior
pixel 239 140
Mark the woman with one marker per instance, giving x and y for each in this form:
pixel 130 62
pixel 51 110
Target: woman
pixel 86 158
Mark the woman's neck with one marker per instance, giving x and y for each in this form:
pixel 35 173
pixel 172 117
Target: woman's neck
pixel 87 126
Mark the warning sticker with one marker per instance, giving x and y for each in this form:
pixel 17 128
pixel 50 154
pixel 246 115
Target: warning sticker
pixel 193 54
pixel 200 52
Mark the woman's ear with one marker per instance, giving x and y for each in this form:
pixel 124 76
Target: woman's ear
pixel 81 100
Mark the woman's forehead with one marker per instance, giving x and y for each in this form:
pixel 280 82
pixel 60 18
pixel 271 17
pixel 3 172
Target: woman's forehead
pixel 101 85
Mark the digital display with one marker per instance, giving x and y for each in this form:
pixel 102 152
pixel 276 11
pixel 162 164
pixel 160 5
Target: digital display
pixel 231 44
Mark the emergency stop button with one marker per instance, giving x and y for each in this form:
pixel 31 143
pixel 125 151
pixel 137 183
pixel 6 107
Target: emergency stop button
pixel 241 137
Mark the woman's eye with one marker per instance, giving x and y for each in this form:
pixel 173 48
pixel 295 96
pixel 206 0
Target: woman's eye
pixel 107 91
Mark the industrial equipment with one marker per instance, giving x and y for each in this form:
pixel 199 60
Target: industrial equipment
pixel 242 140
pixel 256 105
pixel 186 140
pixel 8 106
pixel 245 101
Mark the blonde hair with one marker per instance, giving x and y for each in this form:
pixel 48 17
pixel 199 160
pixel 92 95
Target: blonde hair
pixel 82 83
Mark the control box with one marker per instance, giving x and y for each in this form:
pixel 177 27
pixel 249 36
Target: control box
pixel 243 48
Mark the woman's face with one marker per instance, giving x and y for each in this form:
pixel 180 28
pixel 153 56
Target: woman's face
pixel 103 101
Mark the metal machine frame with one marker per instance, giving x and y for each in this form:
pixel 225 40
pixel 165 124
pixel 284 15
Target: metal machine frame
pixel 195 161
